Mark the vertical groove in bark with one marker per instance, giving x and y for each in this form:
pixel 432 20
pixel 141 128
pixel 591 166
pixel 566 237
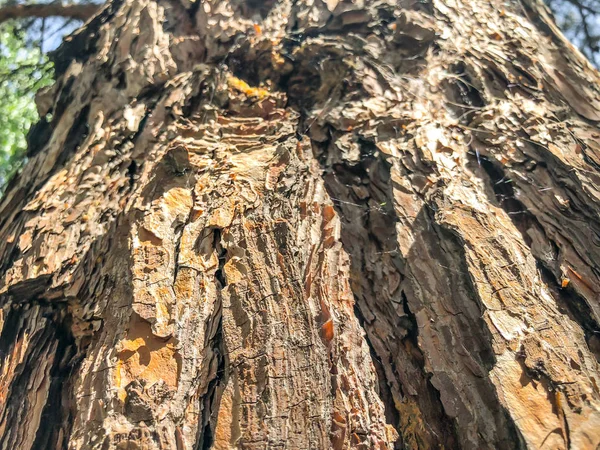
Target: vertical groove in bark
pixel 222 187
pixel 41 361
pixel 57 416
pixel 362 194
pixel 568 299
pixel 215 341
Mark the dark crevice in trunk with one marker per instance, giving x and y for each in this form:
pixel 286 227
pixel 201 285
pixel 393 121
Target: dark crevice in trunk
pixel 77 134
pixel 216 354
pixel 575 306
pixel 450 256
pixel 505 197
pixel 465 91
pixel 29 290
pixel 53 341
pixel 38 136
pixel 132 169
pixel 362 196
pixel 222 255
pixel 212 399
pixel 567 299
pixel 10 333
pixel 57 420
pixel 12 250
pixel 385 392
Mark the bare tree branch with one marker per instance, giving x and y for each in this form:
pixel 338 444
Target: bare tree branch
pixel 81 12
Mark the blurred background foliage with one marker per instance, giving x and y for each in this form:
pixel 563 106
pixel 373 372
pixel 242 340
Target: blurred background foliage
pixel 580 22
pixel 25 67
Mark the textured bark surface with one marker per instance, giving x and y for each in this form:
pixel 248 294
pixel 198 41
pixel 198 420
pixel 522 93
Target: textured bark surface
pixel 307 224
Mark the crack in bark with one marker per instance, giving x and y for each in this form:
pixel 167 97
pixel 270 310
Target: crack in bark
pixel 376 224
pixel 392 415
pixel 212 397
pixel 50 340
pixel 56 419
pixel 567 298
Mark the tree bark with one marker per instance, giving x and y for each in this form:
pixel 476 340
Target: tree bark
pixel 307 224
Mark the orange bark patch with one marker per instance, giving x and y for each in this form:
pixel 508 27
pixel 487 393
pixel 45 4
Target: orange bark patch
pixel 223 433
pixel 328 213
pixel 223 215
pixel 327 331
pixel 178 198
pixel 145 356
pixel 233 274
pixel 242 86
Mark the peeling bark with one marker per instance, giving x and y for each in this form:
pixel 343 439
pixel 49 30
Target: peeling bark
pixel 306 224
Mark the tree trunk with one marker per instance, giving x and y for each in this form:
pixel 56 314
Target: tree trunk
pixel 307 224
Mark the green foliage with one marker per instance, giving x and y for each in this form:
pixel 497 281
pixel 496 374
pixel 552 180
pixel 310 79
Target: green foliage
pixel 23 70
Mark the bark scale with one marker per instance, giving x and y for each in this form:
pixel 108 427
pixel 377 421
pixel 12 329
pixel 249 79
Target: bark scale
pixel 306 224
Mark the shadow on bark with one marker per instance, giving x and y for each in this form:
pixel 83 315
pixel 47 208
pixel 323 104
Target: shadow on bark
pixel 41 331
pixel 501 192
pixel 427 324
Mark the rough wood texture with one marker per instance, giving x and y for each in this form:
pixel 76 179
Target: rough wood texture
pixel 307 224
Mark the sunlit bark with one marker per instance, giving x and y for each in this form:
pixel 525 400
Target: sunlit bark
pixel 306 224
